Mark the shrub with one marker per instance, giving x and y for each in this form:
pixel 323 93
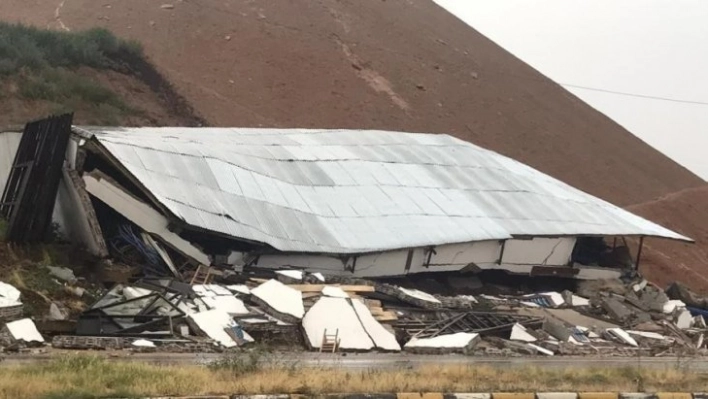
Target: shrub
pixel 25 47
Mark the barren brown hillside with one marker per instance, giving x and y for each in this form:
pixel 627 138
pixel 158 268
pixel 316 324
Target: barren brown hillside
pixel 666 261
pixel 390 64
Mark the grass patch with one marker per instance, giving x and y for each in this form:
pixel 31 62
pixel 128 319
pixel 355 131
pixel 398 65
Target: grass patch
pixel 29 48
pixel 95 377
pixel 3 229
pixel 43 65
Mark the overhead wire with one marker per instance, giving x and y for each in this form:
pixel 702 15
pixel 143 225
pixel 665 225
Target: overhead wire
pixel 621 93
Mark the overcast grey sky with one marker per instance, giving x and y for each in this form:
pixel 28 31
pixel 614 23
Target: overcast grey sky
pixel 646 47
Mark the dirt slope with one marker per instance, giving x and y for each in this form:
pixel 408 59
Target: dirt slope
pixel 390 64
pixel 666 261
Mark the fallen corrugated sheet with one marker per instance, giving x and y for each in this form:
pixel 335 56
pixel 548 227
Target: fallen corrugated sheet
pixel 339 191
pixel 286 302
pixel 383 338
pixel 336 315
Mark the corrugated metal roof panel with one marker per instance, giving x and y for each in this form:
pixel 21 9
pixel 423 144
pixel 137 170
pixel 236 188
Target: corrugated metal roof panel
pixel 346 191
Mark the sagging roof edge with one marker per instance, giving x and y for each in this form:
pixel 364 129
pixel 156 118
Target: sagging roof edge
pixel 95 144
pixel 181 223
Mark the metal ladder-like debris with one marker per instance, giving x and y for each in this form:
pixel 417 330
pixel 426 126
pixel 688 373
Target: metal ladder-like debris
pixel 202 275
pixel 330 342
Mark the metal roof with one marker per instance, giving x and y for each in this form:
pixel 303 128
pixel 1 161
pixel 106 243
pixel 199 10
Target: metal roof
pixel 354 191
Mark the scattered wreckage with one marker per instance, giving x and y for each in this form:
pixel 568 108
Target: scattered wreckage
pixel 213 239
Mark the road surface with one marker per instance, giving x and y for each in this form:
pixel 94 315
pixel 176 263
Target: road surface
pixel 390 361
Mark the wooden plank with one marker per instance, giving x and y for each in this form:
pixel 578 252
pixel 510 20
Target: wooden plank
pixel 386 316
pixel 258 280
pixel 318 287
pixel 373 302
pixel 308 295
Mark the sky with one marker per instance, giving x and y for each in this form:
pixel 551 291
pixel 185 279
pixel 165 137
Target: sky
pixel 655 48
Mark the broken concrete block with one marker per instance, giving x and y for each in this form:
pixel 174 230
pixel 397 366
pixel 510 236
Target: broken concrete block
pixel 699 322
pixel 24 330
pixel 672 305
pixel 519 333
pixel 683 319
pixel 700 341
pixel 214 323
pixel 653 299
pixel 556 330
pixel 648 334
pixel 57 313
pixel 282 301
pixel 579 301
pixel 290 276
pixel 239 289
pixel 383 338
pixel 541 350
pixel 143 343
pixel 616 309
pixel 640 285
pixel 62 273
pixel 622 336
pixel 76 291
pixel 334 292
pixel 10 292
pixel 458 342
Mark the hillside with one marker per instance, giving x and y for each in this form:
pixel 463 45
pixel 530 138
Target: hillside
pixel 666 261
pixel 105 80
pixel 393 64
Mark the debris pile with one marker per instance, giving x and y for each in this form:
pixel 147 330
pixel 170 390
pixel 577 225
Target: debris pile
pixel 208 241
pixel 339 315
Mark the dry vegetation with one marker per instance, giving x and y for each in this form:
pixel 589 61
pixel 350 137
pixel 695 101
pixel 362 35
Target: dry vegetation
pixel 93 376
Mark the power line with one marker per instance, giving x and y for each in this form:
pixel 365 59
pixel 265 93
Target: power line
pixel 675 100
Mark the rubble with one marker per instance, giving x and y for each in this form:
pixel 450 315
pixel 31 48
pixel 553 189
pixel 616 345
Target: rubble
pixel 283 301
pixel 447 343
pixel 24 331
pixel 621 335
pixel 219 326
pixel 62 273
pixel 519 333
pixel 683 319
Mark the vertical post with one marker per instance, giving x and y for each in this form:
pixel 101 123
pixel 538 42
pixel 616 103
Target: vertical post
pixel 639 253
pixel 614 243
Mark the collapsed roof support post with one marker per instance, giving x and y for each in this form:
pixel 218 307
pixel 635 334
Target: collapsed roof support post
pixel 501 252
pixel 639 252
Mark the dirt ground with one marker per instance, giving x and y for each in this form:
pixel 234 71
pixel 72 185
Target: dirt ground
pixel 391 64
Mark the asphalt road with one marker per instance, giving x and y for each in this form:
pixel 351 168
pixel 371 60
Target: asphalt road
pixel 389 361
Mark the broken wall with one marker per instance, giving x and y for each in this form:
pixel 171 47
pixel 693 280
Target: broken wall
pixel 9 142
pixel 516 256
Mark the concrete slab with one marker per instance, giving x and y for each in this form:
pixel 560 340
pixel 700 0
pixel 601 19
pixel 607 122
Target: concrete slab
pixel 448 341
pixel 24 330
pixel 336 315
pixel 383 338
pixel 519 333
pixel 622 335
pixel 281 298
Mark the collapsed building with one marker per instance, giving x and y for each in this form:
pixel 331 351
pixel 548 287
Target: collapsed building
pixel 340 202
pixel 189 203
